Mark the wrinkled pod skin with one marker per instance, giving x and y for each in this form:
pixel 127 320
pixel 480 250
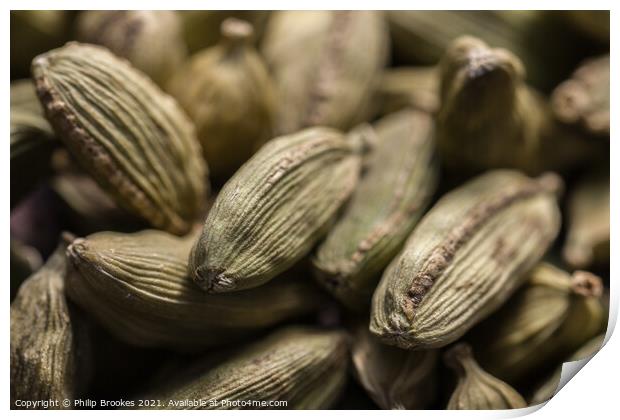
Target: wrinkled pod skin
pixel 467 255
pixel 132 138
pixel 275 208
pixel 477 389
pixel 303 366
pixel 136 286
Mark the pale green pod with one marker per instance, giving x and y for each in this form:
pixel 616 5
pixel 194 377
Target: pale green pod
pixel 152 40
pixel 467 255
pixel 136 285
pixel 131 137
pixel 228 93
pixel 477 389
pixel 272 212
pixel 50 342
pixel 395 378
pixel 408 87
pixel 399 180
pixel 550 317
pixel 333 81
pixel 304 368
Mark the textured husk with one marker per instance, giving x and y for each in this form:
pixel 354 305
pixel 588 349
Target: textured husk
pixel 24 261
pixel 152 40
pixel 333 81
pixel 588 236
pixel 394 378
pixel 275 208
pixel 489 118
pixel 127 134
pixel 465 258
pixel 547 389
pixel 550 317
pixel 584 98
pixel 136 286
pixel 400 178
pixel 32 140
pixel 303 366
pixel 477 389
pixel 408 87
pixel 50 340
pixel 228 93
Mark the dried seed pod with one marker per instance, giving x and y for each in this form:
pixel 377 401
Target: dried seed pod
pixel 136 286
pixel 399 181
pixel 394 378
pixel 408 87
pixel 477 389
pixel 489 118
pixel 32 140
pixel 304 367
pixel 275 208
pixel 152 40
pixel 465 258
pixel 587 240
pixel 229 95
pixel 550 317
pixel 24 261
pixel 584 98
pixel 333 81
pixel 49 340
pixel 131 137
pixel 548 388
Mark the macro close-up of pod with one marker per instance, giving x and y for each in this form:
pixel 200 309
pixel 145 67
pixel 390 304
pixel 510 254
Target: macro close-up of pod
pixel 408 87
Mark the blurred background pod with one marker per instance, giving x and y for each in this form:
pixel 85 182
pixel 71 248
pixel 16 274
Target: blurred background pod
pixel 24 261
pixel 593 23
pixel 408 87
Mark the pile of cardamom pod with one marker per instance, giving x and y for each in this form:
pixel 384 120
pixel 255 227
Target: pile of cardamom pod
pixel 306 209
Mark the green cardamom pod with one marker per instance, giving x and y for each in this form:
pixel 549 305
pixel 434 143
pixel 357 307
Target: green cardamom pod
pixel 32 141
pixel 408 87
pixel 24 261
pixel 400 179
pixel 477 389
pixel 127 134
pixel 467 255
pixel 490 118
pixel 588 236
pixel 272 212
pixel 228 93
pixel 136 285
pixel 303 367
pixel 332 82
pixel 550 317
pixel 50 343
pixel 394 378
pixel 152 40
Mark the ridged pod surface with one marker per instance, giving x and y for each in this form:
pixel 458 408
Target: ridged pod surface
pixel 275 208
pixel 136 285
pixel 50 347
pixel 476 389
pixel 465 258
pixel 303 366
pixel 332 82
pixel 399 180
pixel 127 134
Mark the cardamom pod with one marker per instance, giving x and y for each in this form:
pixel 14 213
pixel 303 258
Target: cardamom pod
pixel 408 87
pixel 272 212
pixel 32 141
pixel 584 98
pixel 152 40
pixel 550 317
pixel 394 378
pixel 588 236
pixel 333 81
pixel 229 95
pixel 24 261
pixel 126 133
pixel 305 368
pixel 49 339
pixel 477 389
pixel 465 258
pixel 136 286
pixel 490 118
pixel 548 388
pixel 400 179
